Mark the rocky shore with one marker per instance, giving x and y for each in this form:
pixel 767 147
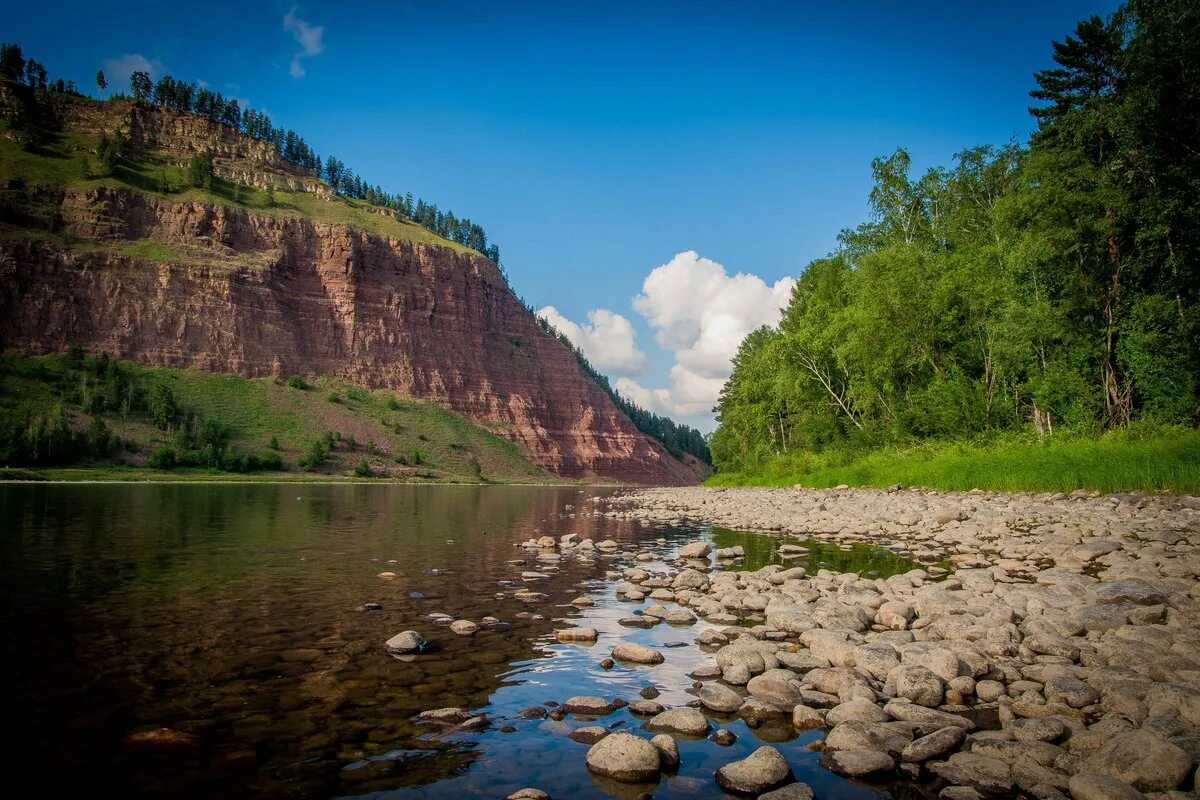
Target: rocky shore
pixel 1061 658
pixel 1049 648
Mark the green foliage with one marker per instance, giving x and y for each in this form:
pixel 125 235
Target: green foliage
pixel 1034 291
pixel 162 458
pixel 363 469
pixel 297 382
pixel 316 454
pixel 274 444
pixel 200 170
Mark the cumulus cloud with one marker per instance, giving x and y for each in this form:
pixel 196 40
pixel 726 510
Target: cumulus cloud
pixel 117 70
pixel 607 339
pixel 311 39
pixel 701 314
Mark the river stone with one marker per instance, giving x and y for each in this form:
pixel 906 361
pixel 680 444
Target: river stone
pixel 856 763
pixel 783 694
pixel 741 655
pixel 911 712
pixel 918 684
pixel 1072 691
pixel 576 635
pixel 793 791
pixel 639 621
pixel 736 675
pixel 1129 590
pixel 668 751
pixel 856 711
pixel 588 735
pixel 1046 729
pixel 986 774
pixel 933 745
pixel 868 736
pixel 1090 786
pixel 646 707
pixel 1142 758
pixel 637 653
pixel 719 698
pixel 763 769
pixel 464 627
pixel 588 706
pixel 624 757
pixel 528 794
pixel 445 716
pixel 805 718
pixel 695 550
pixel 406 642
pixel 682 720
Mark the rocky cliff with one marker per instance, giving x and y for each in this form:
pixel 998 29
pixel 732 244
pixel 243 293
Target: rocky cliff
pixel 257 294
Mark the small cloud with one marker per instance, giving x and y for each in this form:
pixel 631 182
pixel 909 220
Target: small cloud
pixel 311 39
pixel 117 70
pixel 607 339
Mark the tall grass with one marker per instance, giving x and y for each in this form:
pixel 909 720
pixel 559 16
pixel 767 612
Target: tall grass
pixel 1158 461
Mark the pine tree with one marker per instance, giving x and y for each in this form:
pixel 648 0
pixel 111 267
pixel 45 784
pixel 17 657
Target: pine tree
pixel 101 83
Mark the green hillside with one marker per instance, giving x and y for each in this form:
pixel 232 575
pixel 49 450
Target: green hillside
pixel 62 414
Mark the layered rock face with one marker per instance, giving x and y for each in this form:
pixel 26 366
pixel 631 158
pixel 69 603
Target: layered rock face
pixel 259 295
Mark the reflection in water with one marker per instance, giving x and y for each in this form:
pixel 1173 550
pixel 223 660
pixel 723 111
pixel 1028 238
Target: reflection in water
pixel 813 555
pixel 227 613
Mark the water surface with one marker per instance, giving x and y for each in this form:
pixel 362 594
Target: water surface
pixel 229 614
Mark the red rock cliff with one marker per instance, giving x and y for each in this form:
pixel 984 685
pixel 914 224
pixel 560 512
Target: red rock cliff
pixel 259 295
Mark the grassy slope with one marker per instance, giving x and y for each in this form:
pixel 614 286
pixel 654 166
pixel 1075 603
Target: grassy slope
pixel 1124 461
pixel 67 158
pixel 258 409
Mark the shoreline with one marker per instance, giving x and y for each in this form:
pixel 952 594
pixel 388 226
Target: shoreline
pixel 1060 659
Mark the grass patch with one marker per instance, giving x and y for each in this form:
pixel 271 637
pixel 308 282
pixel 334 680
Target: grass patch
pixel 399 437
pixel 1155 461
pixel 147 250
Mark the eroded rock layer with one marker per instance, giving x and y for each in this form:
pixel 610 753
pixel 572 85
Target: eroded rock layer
pixel 257 295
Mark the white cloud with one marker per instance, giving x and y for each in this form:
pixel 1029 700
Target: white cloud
pixel 607 339
pixel 701 314
pixel 311 39
pixel 117 70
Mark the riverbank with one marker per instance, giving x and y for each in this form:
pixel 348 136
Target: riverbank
pixel 1061 658
pixel 1164 461
pixel 127 474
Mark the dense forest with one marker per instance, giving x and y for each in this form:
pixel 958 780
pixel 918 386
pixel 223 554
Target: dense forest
pixel 188 97
pixel 1025 290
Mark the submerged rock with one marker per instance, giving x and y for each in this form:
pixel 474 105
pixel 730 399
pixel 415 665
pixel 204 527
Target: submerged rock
pixel 406 642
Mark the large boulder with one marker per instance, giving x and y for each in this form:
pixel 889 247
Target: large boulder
pixel 1090 786
pixel 763 769
pixel 856 763
pixel 624 757
pixel 1143 759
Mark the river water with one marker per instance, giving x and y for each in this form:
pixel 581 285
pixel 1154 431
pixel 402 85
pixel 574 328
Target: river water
pixel 229 614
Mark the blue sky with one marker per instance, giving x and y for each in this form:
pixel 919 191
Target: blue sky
pixel 597 141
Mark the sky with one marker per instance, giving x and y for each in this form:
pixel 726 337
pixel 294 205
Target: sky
pixel 655 174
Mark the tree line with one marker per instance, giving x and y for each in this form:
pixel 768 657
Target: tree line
pixel 678 439
pixel 192 98
pixel 1022 289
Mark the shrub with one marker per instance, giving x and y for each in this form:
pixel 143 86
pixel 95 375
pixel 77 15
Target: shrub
pixel 363 469
pixel 274 444
pixel 333 397
pixel 315 455
pixel 162 458
pixel 297 382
